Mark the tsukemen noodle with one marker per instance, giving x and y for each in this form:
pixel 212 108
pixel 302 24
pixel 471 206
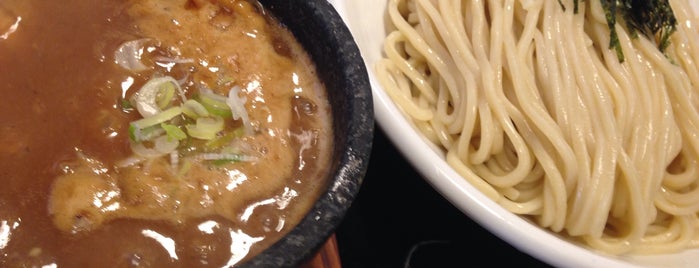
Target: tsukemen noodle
pixel 581 116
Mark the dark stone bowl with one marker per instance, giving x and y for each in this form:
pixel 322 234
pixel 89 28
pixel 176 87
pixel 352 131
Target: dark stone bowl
pixel 322 32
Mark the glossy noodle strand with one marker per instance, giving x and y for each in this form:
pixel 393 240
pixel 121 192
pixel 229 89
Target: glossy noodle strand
pixel 533 108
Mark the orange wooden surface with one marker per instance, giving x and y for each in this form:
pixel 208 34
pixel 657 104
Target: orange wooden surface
pixel 327 257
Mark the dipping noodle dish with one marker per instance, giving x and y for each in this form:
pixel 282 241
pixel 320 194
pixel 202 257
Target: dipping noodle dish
pixel 150 133
pixel 569 128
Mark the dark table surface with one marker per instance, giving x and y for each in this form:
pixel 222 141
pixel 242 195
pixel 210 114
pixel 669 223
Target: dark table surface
pixel 397 211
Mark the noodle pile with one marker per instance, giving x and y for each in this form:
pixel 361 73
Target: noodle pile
pixel 533 108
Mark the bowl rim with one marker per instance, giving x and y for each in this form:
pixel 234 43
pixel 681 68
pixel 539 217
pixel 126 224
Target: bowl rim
pixel 418 151
pixel 350 162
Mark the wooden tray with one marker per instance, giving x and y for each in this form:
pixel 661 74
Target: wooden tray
pixel 327 257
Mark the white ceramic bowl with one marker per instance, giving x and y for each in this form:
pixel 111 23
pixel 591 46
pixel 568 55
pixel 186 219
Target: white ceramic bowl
pixel 366 19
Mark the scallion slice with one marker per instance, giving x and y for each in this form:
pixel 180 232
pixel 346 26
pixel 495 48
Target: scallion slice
pixel 161 146
pixel 173 132
pixel 145 134
pixel 193 109
pixel 157 118
pixel 231 157
pixel 166 122
pixel 236 104
pixel 206 128
pixel 214 103
pixel 224 139
pixel 150 96
pixel 166 93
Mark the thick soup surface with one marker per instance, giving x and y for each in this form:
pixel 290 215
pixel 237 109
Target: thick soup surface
pixel 184 133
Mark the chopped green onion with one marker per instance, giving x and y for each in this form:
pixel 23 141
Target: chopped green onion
pixel 221 162
pixel 157 118
pixel 165 94
pixel 128 55
pixel 215 104
pixel 230 157
pixel 126 105
pixel 162 145
pixel 168 128
pixel 194 109
pixel 224 139
pixel 145 134
pixel 149 97
pixel 173 132
pixel 206 128
pixel 236 104
pixel 184 168
pixel 132 133
pixel 166 145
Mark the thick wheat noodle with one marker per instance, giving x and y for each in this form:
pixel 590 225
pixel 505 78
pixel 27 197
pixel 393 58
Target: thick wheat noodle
pixel 531 107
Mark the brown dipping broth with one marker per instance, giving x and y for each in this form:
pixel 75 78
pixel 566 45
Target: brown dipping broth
pixel 64 106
